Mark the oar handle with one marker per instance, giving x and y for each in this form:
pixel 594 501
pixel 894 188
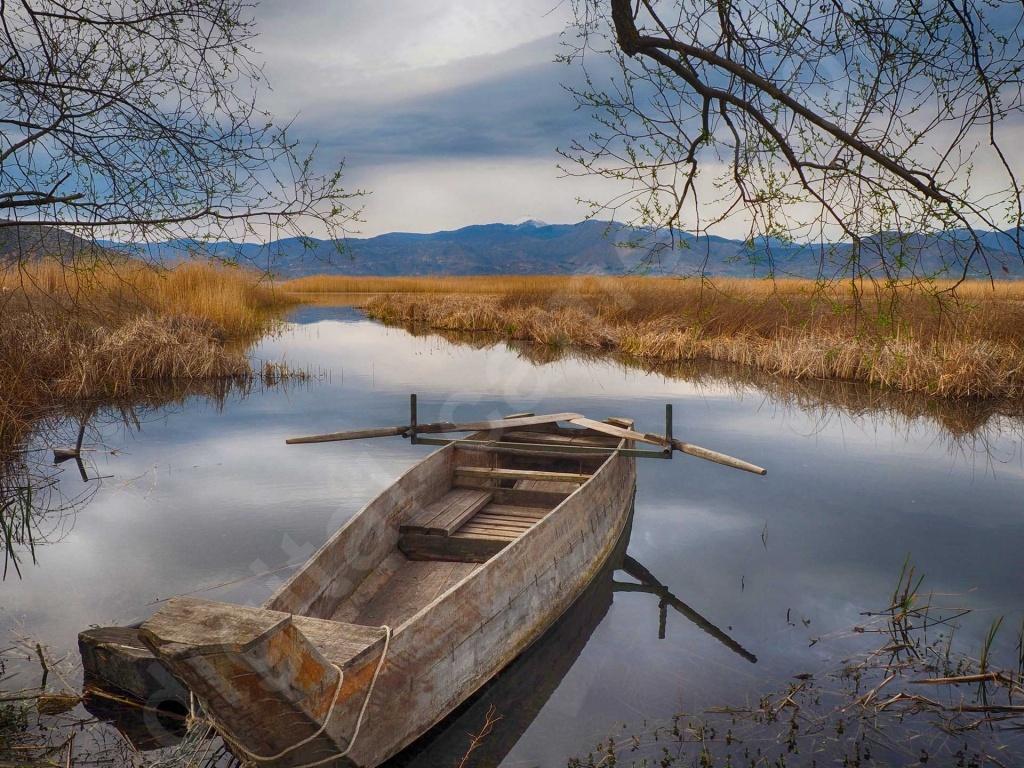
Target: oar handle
pixel 354 435
pixel 718 458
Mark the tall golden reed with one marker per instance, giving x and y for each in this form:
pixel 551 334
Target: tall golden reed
pixel 75 333
pixel 938 338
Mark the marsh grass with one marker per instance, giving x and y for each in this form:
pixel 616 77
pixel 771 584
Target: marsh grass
pixel 274 372
pixel 234 299
pixel 940 339
pixel 113 335
pixel 69 334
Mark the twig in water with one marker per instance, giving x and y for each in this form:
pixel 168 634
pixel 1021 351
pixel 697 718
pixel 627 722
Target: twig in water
pixel 490 719
pixel 1020 651
pixel 866 698
pixel 987 677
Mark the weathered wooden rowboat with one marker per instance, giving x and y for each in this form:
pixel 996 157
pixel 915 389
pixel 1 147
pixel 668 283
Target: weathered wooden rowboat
pixel 419 599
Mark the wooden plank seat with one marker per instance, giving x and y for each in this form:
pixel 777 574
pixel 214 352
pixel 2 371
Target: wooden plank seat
pixel 477 519
pixel 444 516
pixel 482 536
pixel 546 486
pixel 528 489
pixel 520 495
pixel 487 473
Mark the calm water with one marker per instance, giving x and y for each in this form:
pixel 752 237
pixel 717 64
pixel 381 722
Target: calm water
pixel 207 493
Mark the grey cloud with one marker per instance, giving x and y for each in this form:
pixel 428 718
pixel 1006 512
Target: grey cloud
pixel 522 111
pixel 429 102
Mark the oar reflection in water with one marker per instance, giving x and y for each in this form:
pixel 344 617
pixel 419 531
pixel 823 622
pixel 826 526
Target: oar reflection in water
pixel 652 586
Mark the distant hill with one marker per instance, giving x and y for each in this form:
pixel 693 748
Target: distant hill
pixel 30 242
pixel 587 248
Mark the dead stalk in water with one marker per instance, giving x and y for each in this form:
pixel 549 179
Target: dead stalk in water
pixel 490 720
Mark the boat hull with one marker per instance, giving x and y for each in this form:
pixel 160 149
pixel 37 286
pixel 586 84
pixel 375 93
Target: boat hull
pixel 508 704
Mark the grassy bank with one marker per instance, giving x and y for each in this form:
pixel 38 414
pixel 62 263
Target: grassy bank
pixel 107 331
pixel 962 342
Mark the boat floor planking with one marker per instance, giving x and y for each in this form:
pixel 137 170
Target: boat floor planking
pixel 454 622
pixel 398 588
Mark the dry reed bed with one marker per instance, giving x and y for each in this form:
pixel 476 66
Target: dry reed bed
pixel 641 287
pixel 235 300
pixel 106 331
pixel 963 344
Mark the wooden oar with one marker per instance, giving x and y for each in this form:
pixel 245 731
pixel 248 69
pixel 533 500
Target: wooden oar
pixel 526 421
pixel 626 434
pixel 357 434
pixel 679 445
pixel 441 426
pixel 718 458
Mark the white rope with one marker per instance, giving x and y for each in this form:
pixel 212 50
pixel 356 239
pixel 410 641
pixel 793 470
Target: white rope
pixel 337 692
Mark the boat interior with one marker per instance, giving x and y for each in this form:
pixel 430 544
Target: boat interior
pixel 488 500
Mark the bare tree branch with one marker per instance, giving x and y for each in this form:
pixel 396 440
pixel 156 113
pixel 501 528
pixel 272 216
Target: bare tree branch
pixel 137 120
pixel 870 123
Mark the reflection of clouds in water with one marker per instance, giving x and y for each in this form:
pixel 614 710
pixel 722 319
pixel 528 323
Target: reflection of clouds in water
pixel 217 496
pixel 433 366
pixel 860 414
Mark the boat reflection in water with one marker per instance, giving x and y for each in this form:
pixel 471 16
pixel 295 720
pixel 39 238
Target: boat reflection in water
pixel 520 691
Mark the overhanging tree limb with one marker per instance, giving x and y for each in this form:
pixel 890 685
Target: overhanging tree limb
pixel 138 120
pixel 869 121
pixel 633 43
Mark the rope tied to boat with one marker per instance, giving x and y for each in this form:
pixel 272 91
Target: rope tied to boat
pixel 257 758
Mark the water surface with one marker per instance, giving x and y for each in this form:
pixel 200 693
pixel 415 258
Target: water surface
pixel 206 493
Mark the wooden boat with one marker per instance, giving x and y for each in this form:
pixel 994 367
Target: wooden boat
pixel 118 665
pixel 419 599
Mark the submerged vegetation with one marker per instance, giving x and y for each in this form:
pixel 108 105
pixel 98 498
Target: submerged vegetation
pixel 942 339
pixel 917 699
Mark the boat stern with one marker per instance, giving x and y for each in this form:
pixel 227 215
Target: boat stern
pixel 282 690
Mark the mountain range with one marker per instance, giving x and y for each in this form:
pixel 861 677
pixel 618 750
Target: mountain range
pixel 588 247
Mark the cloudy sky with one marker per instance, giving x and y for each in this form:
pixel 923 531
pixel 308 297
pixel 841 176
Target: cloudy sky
pixel 448 112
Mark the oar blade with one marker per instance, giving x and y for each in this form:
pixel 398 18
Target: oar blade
pixel 620 432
